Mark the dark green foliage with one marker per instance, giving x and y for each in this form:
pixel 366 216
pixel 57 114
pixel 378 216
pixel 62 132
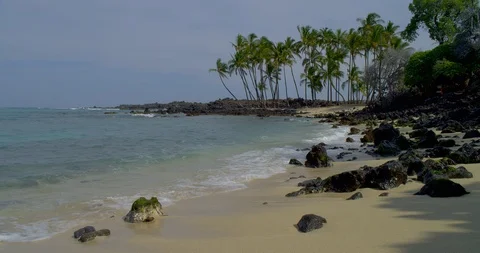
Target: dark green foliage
pixel 437 67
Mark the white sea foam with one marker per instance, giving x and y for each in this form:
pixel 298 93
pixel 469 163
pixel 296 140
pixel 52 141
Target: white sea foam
pixel 148 115
pixel 329 136
pixel 37 231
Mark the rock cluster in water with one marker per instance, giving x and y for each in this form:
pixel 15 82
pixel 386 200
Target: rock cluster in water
pixel 89 233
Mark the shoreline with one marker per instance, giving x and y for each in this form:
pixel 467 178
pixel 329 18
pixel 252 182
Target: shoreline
pixel 240 218
pixel 217 222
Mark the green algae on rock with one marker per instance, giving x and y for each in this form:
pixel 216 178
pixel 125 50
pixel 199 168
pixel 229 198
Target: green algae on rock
pixel 144 210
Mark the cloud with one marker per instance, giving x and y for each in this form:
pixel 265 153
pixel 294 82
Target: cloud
pixel 168 38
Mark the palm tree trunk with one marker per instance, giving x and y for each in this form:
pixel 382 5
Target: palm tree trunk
pixel 295 82
pixel 285 80
pixel 333 86
pixel 253 83
pixel 221 79
pixel 245 83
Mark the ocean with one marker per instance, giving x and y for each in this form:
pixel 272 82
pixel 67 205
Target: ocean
pixel 63 167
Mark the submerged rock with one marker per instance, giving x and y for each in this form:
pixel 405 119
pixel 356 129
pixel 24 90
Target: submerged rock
pixel 442 188
pixel 355 196
pixel 310 222
pixel 144 210
pixel 385 194
pixel 88 236
pixel 88 229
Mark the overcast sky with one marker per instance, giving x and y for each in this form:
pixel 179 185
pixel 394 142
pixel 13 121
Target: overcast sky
pixel 69 53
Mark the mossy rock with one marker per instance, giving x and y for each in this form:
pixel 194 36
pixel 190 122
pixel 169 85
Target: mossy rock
pixel 144 210
pixel 142 203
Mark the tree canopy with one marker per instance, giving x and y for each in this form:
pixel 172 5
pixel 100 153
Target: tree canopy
pixel 439 17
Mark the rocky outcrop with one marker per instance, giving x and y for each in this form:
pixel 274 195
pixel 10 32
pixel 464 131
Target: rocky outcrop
pixel 317 157
pixel 350 140
pixel 310 222
pixel 442 188
pixel 144 210
pixel 387 176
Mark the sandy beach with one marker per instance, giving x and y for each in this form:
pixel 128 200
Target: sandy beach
pixel 241 221
pixel 312 111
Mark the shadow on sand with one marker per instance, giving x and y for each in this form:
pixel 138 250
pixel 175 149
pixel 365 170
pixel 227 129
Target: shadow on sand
pixel 463 211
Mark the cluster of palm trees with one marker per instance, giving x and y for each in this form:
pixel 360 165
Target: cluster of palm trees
pixel 329 59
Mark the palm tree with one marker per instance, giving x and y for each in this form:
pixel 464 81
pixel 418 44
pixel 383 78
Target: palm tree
pixel 237 65
pixel 291 52
pixel 366 29
pixel 353 44
pixel 222 71
pixel 308 41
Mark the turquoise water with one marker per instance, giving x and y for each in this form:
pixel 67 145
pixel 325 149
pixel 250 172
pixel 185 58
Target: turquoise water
pixel 62 167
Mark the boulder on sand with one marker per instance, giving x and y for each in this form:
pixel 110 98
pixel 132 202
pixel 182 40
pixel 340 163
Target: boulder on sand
pixel 442 188
pixel 144 210
pixel 317 157
pixel 310 222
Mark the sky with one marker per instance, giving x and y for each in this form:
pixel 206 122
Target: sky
pixel 70 53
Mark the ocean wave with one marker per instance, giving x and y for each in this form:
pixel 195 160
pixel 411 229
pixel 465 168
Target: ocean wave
pixel 36 231
pixel 228 174
pixel 329 136
pixel 148 115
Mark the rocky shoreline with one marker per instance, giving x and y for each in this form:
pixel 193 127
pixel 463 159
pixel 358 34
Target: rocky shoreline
pixel 229 107
pixel 427 143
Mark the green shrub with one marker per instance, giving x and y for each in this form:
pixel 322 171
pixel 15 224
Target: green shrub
pixel 445 69
pixel 428 69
